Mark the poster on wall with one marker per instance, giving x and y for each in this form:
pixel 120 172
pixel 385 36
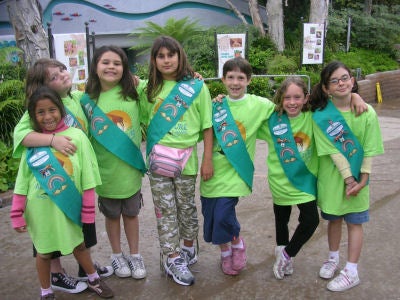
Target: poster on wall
pixel 313 43
pixel 70 49
pixel 8 41
pixel 230 46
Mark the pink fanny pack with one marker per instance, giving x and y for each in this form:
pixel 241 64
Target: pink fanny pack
pixel 168 161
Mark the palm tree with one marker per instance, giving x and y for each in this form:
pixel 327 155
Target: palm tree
pixel 182 30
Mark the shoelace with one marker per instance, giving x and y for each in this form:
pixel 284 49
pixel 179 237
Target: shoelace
pixel 137 263
pixel 119 262
pixel 181 265
pixel 68 280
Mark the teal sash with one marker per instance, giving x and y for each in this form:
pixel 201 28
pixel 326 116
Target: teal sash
pixel 71 121
pixel 110 136
pixel 286 149
pixel 334 126
pixel 55 182
pixel 231 141
pixel 171 110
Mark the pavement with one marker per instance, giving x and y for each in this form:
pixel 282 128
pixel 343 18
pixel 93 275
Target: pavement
pixel 378 265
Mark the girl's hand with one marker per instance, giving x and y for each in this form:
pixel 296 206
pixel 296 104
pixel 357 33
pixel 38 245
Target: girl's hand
pixel 198 76
pixel 206 169
pixel 219 98
pixel 357 104
pixel 20 229
pixel 63 145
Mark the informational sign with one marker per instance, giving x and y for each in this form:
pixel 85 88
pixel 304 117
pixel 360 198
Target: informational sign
pixel 313 43
pixel 230 46
pixel 70 49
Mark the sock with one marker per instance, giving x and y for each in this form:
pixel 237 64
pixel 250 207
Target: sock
pixel 172 259
pixel 351 268
pixel 93 277
pixel 239 245
pixel 116 255
pixel 334 255
pixel 226 253
pixel 45 292
pixel 189 249
pixel 136 255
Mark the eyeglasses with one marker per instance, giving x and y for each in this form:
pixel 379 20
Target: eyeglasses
pixel 335 81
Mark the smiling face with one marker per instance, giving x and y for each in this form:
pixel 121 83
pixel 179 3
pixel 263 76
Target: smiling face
pixel 236 83
pixel 340 84
pixel 167 63
pixel 109 69
pixel 47 114
pixel 59 80
pixel 294 100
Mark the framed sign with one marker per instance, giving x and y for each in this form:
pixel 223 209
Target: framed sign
pixel 313 43
pixel 229 46
pixel 70 49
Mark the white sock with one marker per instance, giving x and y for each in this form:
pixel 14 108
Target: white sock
pixel 172 259
pixel 136 255
pixel 116 255
pixel 239 245
pixel 45 292
pixel 351 268
pixel 334 255
pixel 226 253
pixel 189 249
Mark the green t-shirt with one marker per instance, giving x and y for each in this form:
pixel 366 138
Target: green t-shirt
pixel 249 113
pixel 47 225
pixel 119 179
pixel 331 187
pixel 282 190
pixel 24 126
pixel 188 130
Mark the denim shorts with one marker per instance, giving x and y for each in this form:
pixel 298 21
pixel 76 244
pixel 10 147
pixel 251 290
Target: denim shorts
pixel 220 223
pixel 352 218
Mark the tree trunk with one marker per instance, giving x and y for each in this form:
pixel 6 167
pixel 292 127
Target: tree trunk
pixel 319 11
pixel 25 17
pixel 275 23
pixel 255 16
pixel 368 7
pixel 237 12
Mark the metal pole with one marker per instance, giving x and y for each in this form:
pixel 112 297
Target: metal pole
pixel 348 34
pixel 87 44
pixel 51 41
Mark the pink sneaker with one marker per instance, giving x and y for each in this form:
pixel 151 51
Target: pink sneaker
pixel 239 257
pixel 226 265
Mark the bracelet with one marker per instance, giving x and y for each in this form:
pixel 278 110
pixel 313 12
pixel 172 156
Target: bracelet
pixel 52 138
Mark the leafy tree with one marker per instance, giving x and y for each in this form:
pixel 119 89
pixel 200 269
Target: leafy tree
pixel 182 30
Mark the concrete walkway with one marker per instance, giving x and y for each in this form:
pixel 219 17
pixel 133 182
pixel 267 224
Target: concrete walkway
pixel 378 267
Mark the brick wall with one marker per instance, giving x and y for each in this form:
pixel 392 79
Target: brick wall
pixel 389 82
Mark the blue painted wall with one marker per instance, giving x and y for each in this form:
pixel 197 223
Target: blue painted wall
pixel 112 20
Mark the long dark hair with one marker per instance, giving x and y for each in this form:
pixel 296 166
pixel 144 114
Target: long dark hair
pixel 318 98
pixel 93 86
pixel 38 74
pixel 155 82
pixel 40 94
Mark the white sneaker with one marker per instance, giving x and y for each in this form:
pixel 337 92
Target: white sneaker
pixel 280 263
pixel 343 282
pixel 120 266
pixel 328 269
pixel 136 265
